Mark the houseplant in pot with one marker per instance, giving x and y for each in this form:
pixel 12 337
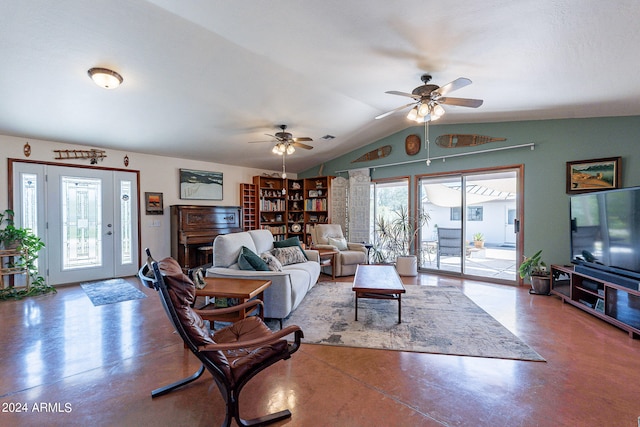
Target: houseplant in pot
pixel 396 236
pixel 14 238
pixel 478 240
pixel 536 270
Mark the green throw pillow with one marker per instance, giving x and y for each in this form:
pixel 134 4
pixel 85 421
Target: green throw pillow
pixel 291 241
pixel 248 260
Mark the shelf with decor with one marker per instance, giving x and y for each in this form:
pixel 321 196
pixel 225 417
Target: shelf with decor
pixel 295 208
pixel 249 201
pixel 612 302
pixel 272 205
pixel 294 211
pixel 317 203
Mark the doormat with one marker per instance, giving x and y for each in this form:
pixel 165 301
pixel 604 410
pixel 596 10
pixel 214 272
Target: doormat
pixel 111 291
pixel 435 319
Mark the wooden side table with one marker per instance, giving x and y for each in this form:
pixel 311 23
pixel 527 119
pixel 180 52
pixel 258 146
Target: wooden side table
pixel 242 289
pixel 11 255
pixel 328 259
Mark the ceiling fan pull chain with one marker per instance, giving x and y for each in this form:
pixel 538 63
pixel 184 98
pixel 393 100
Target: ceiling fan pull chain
pixel 426 141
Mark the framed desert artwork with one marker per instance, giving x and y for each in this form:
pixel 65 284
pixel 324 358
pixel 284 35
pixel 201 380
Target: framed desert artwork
pixel 153 203
pixel 594 175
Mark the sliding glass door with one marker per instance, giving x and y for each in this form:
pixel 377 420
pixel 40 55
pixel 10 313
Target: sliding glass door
pixel 471 228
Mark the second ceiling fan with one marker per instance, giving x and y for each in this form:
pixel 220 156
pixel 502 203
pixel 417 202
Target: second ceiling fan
pixel 286 143
pixel 427 99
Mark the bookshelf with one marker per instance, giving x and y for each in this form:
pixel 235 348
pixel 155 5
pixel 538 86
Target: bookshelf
pixel 304 203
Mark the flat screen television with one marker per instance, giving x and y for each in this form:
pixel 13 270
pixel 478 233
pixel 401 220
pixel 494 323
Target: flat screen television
pixel 605 232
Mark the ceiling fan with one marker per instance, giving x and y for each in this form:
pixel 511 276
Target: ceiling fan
pixel 429 97
pixel 286 143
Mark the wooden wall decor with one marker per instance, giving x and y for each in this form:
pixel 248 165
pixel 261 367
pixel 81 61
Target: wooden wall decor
pixel 378 153
pixel 412 144
pixel 93 155
pixel 27 149
pixel 461 140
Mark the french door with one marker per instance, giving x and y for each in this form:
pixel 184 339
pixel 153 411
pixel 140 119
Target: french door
pixel 88 219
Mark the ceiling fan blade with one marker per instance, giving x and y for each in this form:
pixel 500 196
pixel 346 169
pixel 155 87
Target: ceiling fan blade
pixel 302 138
pixel 275 137
pixel 410 95
pixel 301 145
pixel 462 102
pixel 458 83
pixel 388 113
pixel 256 142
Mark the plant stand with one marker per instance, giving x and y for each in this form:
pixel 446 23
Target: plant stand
pixel 5 270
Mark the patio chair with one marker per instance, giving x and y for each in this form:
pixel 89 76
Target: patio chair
pixel 449 243
pixel 233 355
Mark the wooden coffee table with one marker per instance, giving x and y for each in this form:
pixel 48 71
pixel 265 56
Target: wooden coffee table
pixel 242 289
pixel 378 282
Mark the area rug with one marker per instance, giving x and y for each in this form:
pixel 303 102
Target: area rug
pixel 111 291
pixel 438 320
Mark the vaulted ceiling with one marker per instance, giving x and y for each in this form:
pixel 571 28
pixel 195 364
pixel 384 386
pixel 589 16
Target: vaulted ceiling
pixel 203 78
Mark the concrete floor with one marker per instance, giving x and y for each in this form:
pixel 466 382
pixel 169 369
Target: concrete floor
pixel 66 362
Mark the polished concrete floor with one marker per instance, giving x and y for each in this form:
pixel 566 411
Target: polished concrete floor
pixel 65 362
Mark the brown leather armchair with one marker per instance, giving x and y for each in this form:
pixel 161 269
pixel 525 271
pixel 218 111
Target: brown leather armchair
pixel 233 355
pixel 326 236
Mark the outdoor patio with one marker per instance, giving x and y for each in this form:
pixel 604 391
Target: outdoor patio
pixel 492 261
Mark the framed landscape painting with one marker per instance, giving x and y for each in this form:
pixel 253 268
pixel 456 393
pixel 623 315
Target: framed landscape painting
pixel 593 175
pixel 153 203
pixel 200 185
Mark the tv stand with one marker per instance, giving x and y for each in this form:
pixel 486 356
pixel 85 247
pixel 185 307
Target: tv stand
pixel 611 302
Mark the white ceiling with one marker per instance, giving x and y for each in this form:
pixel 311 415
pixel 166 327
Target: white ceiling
pixel 202 78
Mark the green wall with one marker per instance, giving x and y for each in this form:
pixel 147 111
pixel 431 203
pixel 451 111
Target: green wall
pixel 546 204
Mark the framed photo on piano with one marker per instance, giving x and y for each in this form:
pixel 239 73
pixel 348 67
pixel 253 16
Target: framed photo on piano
pixel 153 203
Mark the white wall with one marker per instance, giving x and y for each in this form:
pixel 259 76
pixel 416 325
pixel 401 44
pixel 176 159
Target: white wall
pixel 492 226
pixel 157 174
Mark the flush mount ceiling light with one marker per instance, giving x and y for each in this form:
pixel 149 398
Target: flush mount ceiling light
pixel 105 78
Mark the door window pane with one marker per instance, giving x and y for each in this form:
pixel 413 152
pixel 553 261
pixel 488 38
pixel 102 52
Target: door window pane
pixel 30 202
pixel 387 199
pixel 441 240
pixel 81 222
pixel 126 224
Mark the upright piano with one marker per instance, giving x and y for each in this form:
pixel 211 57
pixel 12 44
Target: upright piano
pixel 196 226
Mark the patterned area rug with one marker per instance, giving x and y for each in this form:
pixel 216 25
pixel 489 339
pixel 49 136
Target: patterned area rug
pixel 111 291
pixel 434 320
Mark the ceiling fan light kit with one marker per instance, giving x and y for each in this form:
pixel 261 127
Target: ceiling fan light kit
pixel 105 78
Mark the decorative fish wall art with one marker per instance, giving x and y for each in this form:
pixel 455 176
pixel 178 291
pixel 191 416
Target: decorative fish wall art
pixel 378 153
pixel 461 140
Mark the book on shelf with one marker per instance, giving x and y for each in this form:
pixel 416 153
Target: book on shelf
pixel 315 205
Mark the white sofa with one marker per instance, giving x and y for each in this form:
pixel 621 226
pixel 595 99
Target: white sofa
pixel 288 286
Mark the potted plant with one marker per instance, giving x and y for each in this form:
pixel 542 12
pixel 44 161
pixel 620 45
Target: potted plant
pixel 23 239
pixel 478 240
pixel 536 270
pixel 10 236
pixel 396 237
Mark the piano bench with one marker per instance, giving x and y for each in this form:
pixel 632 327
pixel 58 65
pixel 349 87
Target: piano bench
pixel 205 255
